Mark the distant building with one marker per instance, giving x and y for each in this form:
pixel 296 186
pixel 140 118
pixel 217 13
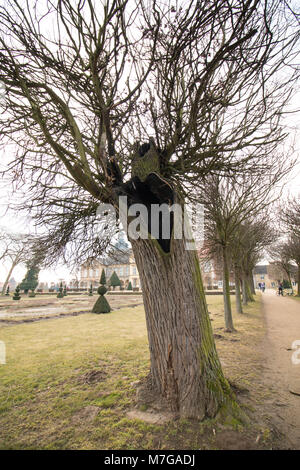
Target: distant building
pixel 271 274
pixel 260 275
pixel 124 266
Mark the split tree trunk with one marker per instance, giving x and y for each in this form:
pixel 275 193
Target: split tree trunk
pixel 185 368
pixel 226 292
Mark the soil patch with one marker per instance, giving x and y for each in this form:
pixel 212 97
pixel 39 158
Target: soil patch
pixel 86 414
pixel 93 376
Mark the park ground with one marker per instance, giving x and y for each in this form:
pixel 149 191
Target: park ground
pixel 71 377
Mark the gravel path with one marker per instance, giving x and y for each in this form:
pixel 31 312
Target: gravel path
pixel 282 317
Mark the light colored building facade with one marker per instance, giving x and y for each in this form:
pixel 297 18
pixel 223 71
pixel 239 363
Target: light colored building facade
pixel 271 274
pixel 125 269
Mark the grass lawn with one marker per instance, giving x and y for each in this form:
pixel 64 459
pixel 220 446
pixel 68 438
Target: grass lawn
pixel 69 382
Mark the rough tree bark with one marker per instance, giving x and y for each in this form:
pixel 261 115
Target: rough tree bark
pixel 185 368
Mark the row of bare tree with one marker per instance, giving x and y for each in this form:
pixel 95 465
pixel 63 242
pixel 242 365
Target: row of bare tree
pixel 246 220
pixel 238 230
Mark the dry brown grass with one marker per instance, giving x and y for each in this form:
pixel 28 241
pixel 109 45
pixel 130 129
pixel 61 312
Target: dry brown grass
pixel 69 382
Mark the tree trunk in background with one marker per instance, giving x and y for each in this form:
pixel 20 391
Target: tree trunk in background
pixel 238 300
pixel 290 281
pixel 226 292
pixel 250 297
pixel 244 291
pixel 251 283
pixel 185 368
pixel 13 265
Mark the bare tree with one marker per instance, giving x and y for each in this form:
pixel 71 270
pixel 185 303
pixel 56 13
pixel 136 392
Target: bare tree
pixel 255 237
pixel 238 248
pixel 120 98
pixel 17 249
pixel 231 207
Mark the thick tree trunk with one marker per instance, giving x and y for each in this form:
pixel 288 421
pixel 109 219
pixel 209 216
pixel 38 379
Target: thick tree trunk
pixel 185 368
pixel 226 292
pixel 238 300
pixel 184 365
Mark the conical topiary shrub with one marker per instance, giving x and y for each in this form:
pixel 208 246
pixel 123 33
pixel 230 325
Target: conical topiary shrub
pixel 129 287
pixel 7 291
pixel 114 280
pixel 17 294
pixel 103 278
pixel 65 291
pixel 30 281
pixel 60 293
pixel 101 305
